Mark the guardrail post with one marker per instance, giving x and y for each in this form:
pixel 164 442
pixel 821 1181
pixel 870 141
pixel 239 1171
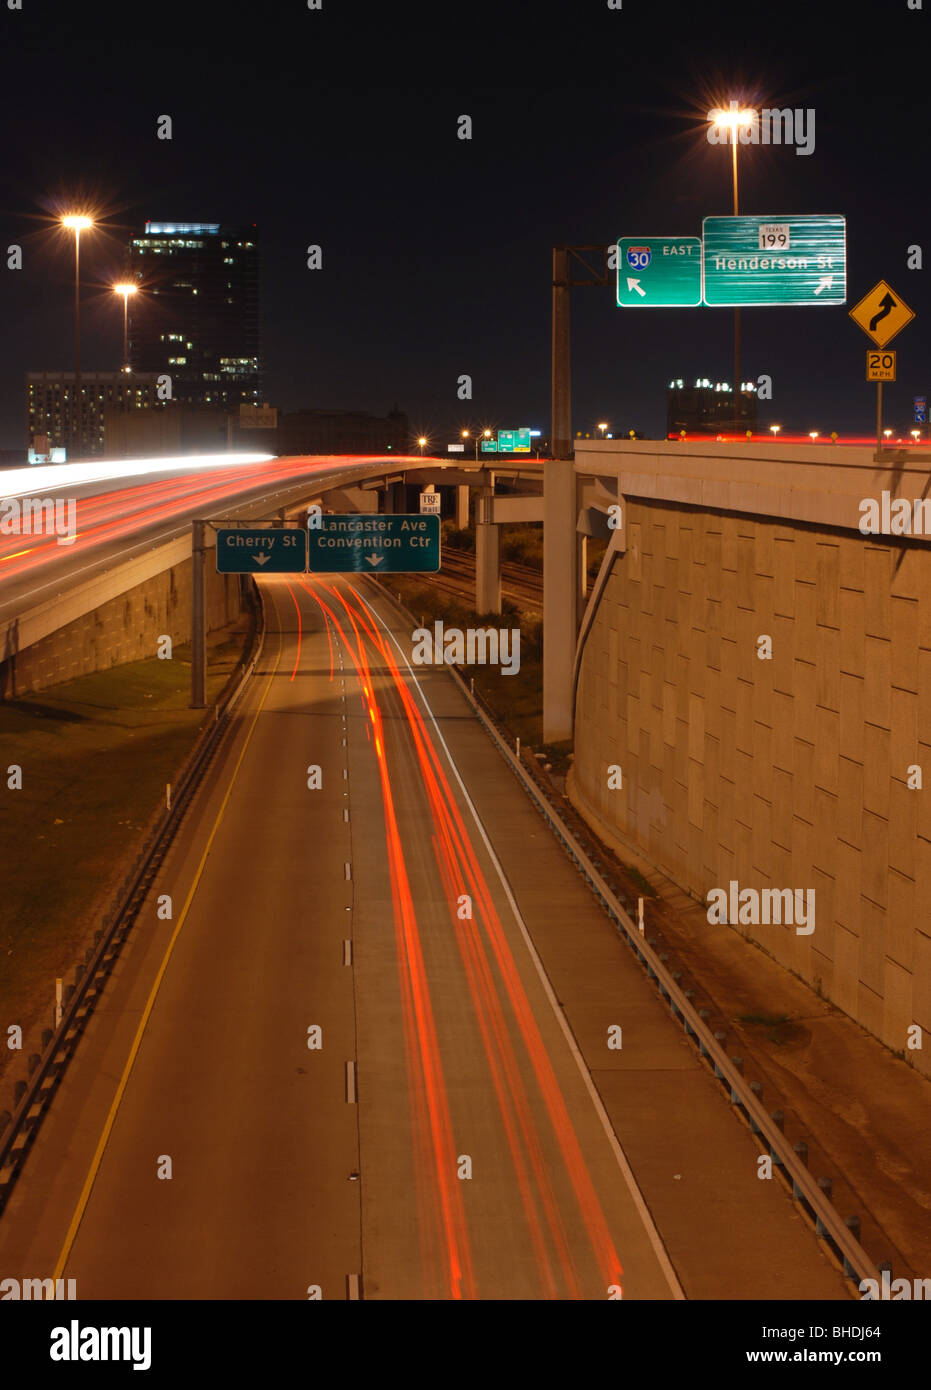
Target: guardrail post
pixel 198 617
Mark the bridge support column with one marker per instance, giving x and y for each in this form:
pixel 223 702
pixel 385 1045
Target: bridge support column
pixel 487 557
pixel 560 597
pixel 198 617
pixel 462 507
pixel 392 499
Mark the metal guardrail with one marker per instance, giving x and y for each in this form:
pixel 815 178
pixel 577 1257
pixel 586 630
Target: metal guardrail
pixel 18 1130
pixel 806 1190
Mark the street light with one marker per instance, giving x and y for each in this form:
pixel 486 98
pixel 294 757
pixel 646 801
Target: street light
pixel 602 428
pixel 77 223
pixel 126 288
pixel 731 120
pixel 422 441
pixel 916 435
pixel 775 430
pixel 479 436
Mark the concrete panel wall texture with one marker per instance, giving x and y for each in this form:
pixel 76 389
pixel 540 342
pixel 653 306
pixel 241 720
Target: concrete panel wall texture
pixel 790 772
pixel 126 628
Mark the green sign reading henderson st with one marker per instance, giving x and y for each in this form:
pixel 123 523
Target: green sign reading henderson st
pixel 774 260
pixel 373 544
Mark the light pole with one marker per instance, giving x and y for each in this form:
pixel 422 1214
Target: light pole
pixel 125 288
pixel 77 223
pixel 422 442
pixel 479 436
pixel 731 120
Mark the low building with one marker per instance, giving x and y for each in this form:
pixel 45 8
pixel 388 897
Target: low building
pixel 51 407
pixel 170 428
pixel 708 407
pixel 332 432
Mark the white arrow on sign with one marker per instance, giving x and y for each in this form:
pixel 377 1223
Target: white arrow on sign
pixel 260 559
pixel 374 559
pixel 635 285
pixel 824 283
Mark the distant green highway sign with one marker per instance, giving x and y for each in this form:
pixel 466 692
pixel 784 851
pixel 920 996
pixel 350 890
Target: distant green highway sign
pixel 655 272
pixel 269 550
pixel 514 441
pixel 774 260
pixel 362 543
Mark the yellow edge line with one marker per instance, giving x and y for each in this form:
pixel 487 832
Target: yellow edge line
pixel 137 1040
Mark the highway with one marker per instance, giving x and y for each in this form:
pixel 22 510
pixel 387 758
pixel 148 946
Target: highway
pixel 123 511
pixel 361 1051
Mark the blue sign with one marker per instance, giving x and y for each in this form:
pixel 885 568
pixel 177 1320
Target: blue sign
pixel 639 257
pixel 921 410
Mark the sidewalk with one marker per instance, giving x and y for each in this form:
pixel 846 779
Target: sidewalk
pixel 864 1113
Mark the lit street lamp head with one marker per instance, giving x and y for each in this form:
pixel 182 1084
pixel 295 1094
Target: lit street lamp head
pixel 731 119
pixel 125 289
pixel 77 222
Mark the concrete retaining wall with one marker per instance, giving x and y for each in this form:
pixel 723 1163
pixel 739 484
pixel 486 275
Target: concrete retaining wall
pixel 783 773
pixel 125 628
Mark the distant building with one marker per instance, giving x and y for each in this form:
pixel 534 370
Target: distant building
pixel 197 316
pixel 329 432
pixel 50 406
pixel 181 427
pixel 708 408
pixel 170 429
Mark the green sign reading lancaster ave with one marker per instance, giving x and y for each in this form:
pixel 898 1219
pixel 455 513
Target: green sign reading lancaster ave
pixel 278 550
pixel 774 260
pixel 655 271
pixel 366 544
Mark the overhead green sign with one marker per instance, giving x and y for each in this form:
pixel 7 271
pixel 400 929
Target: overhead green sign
pixel 654 272
pixel 366 544
pixel 489 446
pixel 269 550
pixel 514 441
pixel 774 260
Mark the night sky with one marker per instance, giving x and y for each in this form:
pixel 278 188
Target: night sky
pixel 339 127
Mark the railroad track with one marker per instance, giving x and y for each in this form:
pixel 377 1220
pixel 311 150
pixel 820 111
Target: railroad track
pixel 519 583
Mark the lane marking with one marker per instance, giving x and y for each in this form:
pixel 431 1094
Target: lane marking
pixel 352 1287
pixel 345 813
pixel 348 868
pixel 97 1159
pixel 347 953
pixel 350 1083
pixel 630 1180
